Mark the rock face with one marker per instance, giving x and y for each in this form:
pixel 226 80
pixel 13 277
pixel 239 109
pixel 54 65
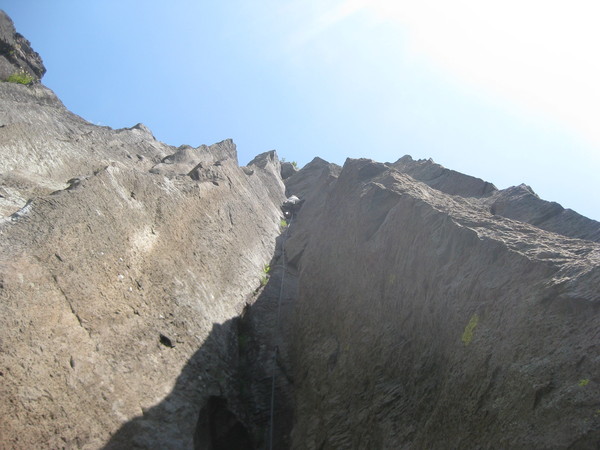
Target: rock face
pixel 110 286
pixel 123 261
pixel 518 202
pixel 151 297
pixel 16 54
pixel 425 321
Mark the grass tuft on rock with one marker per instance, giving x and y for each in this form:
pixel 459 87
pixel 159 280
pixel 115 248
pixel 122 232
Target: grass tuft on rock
pixel 21 77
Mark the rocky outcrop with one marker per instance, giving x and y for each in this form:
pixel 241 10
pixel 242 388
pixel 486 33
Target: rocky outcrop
pixel 521 203
pixel 196 162
pixel 152 297
pixel 517 202
pixel 44 146
pixel 425 321
pixel 123 264
pixel 16 54
pixel 442 179
pixel 287 169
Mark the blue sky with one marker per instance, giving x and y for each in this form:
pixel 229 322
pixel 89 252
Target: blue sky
pixel 506 91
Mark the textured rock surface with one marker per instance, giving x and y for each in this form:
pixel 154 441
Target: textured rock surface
pixel 424 321
pixel 95 275
pixel 517 202
pixel 16 54
pixel 122 262
pixel 148 300
pixel 45 145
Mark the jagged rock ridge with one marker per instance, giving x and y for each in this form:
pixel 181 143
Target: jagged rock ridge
pixel 16 54
pixel 517 202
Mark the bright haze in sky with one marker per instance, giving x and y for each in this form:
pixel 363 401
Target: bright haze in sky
pixel 507 91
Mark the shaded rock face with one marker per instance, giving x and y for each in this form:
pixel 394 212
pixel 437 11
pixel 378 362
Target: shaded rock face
pixel 16 54
pixel 287 170
pixel 424 321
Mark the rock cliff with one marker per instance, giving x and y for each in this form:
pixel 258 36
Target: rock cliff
pixel 120 257
pixel 426 321
pixel 152 297
pixel 16 55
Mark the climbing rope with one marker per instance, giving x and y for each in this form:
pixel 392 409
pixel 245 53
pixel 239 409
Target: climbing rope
pixel 276 350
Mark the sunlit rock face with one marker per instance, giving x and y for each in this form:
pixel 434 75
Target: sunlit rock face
pixel 518 202
pixel 122 261
pixel 425 321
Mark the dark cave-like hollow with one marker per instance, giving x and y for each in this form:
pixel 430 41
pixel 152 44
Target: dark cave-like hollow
pixel 219 429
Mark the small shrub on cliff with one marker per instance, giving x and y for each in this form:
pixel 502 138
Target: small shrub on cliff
pixel 265 278
pixel 21 77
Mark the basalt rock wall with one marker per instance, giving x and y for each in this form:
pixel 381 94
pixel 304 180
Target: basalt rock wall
pixel 425 321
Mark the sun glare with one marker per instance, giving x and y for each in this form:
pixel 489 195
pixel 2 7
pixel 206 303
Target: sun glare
pixel 537 55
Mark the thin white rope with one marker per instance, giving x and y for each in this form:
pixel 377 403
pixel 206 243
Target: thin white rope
pixel 271 420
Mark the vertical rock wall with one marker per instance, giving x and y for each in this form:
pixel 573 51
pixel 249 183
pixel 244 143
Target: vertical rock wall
pixel 109 287
pixel 123 261
pixel 423 321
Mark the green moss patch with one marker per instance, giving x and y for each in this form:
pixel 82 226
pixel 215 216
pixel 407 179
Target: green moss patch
pixel 467 336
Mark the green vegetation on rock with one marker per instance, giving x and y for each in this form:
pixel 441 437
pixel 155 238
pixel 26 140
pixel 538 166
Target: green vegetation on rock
pixel 265 278
pixel 467 336
pixel 21 77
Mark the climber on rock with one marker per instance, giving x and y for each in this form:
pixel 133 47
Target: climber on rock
pixel 291 206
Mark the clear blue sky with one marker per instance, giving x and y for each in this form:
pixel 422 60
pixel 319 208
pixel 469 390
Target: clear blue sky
pixel 508 93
